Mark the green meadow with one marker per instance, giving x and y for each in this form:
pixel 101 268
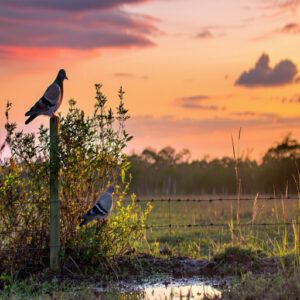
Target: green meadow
pixel 201 228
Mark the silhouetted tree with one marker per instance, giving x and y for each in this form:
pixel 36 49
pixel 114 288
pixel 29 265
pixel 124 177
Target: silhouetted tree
pixel 168 172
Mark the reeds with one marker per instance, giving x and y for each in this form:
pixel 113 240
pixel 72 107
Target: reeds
pixel 237 159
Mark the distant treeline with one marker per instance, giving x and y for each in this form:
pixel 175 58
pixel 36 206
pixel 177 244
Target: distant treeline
pixel 167 172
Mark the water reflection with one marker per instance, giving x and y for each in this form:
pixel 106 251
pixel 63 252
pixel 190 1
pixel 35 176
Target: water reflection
pixel 176 291
pixel 173 290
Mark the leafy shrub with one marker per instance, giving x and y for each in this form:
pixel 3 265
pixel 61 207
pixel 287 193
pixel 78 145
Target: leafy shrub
pixel 121 235
pixel 91 150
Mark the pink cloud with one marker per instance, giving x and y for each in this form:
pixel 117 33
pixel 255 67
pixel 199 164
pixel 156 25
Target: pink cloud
pixel 293 28
pixel 196 102
pixel 169 126
pixel 278 8
pixel 73 5
pixel 262 74
pixel 205 34
pixel 46 25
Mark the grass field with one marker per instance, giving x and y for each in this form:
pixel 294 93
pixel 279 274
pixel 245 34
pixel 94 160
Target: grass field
pixel 195 241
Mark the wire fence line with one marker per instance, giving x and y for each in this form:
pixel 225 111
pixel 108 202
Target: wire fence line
pixel 171 201
pixel 169 225
pixel 19 249
pixel 62 205
pixel 189 225
pixel 147 227
pixel 156 226
pixel 221 225
pixel 216 199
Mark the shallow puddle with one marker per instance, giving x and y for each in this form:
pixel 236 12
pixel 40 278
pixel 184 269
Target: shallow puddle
pixel 166 289
pixel 163 289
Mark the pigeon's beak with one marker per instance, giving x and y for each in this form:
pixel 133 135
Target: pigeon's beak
pixel 66 77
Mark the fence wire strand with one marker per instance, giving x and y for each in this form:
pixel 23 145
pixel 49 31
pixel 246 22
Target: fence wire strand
pixel 170 225
pixel 216 199
pixel 221 225
pixel 154 226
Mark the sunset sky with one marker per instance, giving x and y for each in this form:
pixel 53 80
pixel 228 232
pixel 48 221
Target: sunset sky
pixel 194 71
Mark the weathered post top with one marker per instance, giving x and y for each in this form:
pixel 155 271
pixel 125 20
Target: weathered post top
pixel 54 195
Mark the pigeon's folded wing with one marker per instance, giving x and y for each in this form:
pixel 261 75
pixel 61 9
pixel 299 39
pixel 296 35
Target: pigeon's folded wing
pixel 39 107
pixel 105 202
pixel 52 94
pixel 101 209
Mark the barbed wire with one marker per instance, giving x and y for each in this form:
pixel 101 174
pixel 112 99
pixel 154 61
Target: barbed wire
pixel 170 225
pixel 63 204
pixel 221 225
pixel 7 233
pixel 23 248
pixel 189 225
pixel 20 229
pixel 154 226
pixel 216 199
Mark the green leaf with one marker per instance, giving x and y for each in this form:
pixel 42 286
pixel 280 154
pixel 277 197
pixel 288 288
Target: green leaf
pixel 123 173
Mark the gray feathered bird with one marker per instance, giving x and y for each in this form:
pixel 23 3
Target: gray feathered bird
pixel 101 209
pixel 50 101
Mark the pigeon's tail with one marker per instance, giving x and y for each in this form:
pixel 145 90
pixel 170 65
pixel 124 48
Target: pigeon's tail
pixel 32 117
pixel 83 222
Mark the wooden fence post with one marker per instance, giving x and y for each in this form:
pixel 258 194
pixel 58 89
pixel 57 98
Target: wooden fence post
pixel 54 195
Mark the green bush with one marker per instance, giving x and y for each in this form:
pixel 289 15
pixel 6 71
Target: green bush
pixel 121 235
pixel 92 156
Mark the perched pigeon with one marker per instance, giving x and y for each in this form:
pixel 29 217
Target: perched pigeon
pixel 51 100
pixel 101 209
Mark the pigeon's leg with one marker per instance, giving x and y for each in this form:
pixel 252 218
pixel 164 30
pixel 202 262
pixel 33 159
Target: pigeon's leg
pixel 53 115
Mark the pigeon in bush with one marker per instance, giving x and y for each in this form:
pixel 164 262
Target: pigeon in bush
pixel 101 209
pixel 50 101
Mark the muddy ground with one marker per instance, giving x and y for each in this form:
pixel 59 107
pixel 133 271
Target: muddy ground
pixel 138 267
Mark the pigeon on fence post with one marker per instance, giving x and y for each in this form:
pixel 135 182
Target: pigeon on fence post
pixel 101 209
pixel 49 103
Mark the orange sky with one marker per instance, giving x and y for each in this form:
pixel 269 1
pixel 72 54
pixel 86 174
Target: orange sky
pixel 178 61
